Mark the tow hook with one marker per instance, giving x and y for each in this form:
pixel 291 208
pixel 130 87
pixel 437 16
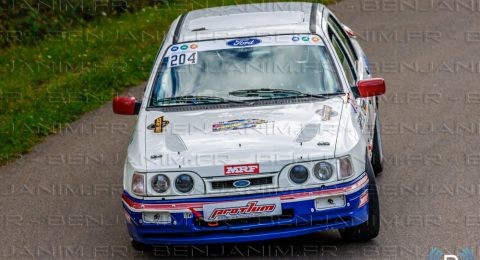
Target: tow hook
pixel 199 215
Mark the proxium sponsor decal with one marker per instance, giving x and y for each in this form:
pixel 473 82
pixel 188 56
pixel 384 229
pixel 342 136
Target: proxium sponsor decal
pixel 243 209
pixel 244 42
pixel 237 124
pixel 241 169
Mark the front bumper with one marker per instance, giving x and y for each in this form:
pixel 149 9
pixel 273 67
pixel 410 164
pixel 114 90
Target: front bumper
pixel 299 216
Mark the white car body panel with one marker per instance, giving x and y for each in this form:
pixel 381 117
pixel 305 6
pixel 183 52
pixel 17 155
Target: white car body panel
pixel 285 124
pixel 272 20
pixel 190 145
pixel 246 20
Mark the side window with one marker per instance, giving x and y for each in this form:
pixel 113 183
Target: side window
pixel 342 56
pixel 343 37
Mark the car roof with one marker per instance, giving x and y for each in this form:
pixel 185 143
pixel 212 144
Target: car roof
pixel 248 20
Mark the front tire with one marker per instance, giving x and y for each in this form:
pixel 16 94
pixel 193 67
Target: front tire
pixel 377 156
pixel 370 228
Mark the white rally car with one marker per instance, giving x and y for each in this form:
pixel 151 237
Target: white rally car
pixel 258 122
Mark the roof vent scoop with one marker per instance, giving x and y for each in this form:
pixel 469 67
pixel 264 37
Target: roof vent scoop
pixel 246 20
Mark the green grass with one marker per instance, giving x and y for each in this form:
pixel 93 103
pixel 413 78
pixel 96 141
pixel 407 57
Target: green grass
pixel 45 86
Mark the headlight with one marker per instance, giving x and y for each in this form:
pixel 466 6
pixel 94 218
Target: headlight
pixel 298 174
pixel 138 183
pixel 184 183
pixel 171 184
pixel 160 183
pixel 323 171
pixel 345 169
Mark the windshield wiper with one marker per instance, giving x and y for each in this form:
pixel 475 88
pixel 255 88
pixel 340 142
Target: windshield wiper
pixel 190 99
pixel 275 91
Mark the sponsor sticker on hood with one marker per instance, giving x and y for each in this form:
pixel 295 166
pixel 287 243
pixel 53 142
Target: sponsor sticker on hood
pixel 237 124
pixel 159 125
pixel 241 169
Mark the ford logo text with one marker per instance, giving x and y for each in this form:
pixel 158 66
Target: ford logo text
pixel 243 42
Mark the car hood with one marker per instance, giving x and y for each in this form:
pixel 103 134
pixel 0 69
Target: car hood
pixel 204 141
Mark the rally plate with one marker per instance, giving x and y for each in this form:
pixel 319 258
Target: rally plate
pixel 242 209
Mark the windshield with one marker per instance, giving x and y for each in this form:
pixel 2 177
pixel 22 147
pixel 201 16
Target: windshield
pixel 244 70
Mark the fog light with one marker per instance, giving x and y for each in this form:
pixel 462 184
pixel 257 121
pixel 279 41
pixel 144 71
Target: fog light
pixel 157 217
pixel 330 202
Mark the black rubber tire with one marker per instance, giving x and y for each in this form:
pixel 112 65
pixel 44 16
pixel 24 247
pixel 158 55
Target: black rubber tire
pixel 377 157
pixel 140 246
pixel 370 228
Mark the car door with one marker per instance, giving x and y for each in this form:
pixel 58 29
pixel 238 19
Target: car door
pixel 354 71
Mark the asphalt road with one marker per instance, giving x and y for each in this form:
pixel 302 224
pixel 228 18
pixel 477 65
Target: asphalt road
pixel 62 200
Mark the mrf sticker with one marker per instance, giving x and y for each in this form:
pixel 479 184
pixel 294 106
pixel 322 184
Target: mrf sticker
pixel 237 124
pixel 159 125
pixel 241 169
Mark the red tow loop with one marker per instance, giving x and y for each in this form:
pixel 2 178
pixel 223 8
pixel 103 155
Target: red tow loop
pixel 199 215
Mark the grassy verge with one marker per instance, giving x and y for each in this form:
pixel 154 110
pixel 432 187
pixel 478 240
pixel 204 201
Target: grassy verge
pixel 45 86
pixel 27 21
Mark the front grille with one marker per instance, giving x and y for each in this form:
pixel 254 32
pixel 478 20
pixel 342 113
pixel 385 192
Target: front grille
pixel 217 185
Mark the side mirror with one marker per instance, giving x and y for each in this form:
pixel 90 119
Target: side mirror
pixel 126 106
pixel 371 87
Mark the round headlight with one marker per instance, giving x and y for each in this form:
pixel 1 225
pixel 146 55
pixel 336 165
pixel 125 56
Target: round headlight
pixel 298 174
pixel 184 183
pixel 160 183
pixel 323 171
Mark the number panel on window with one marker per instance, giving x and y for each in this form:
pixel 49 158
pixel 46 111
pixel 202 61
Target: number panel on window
pixel 180 59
